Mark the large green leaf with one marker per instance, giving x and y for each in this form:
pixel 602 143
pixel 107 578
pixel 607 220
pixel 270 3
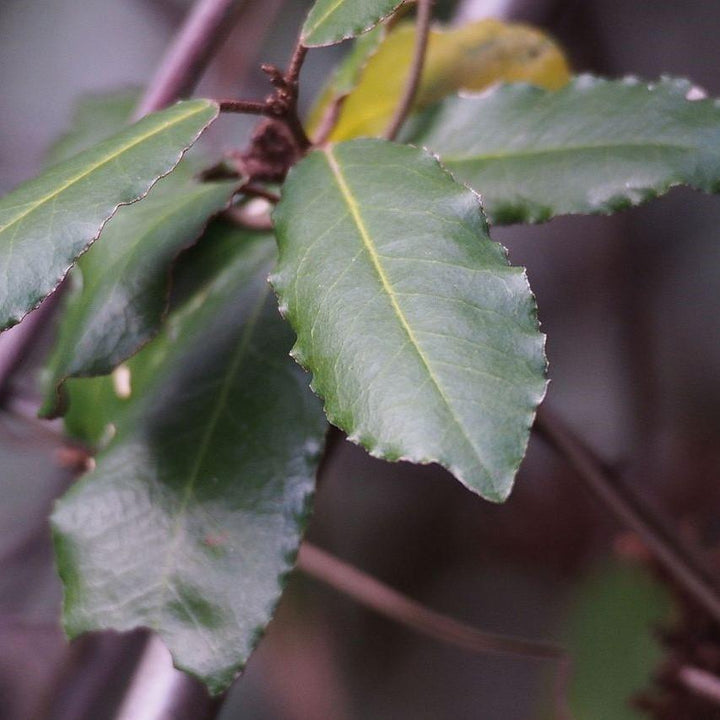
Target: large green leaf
pixel 596 146
pixel 194 512
pixel 422 340
pixel 46 223
pixel 332 21
pixel 125 278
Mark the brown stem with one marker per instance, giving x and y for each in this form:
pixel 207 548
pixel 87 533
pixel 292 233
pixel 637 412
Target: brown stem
pixel 292 86
pixel 296 62
pixel 383 599
pixel 194 46
pixel 246 107
pixel 684 564
pixel 424 17
pixel 282 105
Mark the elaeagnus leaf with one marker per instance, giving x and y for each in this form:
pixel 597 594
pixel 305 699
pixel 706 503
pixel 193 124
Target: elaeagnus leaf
pixel 423 341
pixel 194 512
pixel 596 146
pixel 332 21
pixel 46 223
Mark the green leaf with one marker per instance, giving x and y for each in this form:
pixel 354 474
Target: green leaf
pixel 124 293
pixel 94 407
pixel 422 340
pixel 46 223
pixel 612 641
pixel 193 515
pixel 469 57
pixel 596 146
pixel 332 21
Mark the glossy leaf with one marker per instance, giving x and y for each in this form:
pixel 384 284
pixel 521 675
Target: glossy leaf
pixel 332 21
pixel 470 57
pixel 96 405
pixel 422 340
pixel 193 514
pixel 124 293
pixel 46 223
pixel 596 146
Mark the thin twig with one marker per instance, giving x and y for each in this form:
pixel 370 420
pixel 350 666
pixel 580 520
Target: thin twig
pixel 383 599
pixel 292 87
pixel 282 105
pixel 424 17
pixel 246 107
pixel 685 564
pixel 701 683
pixel 296 63
pixel 198 40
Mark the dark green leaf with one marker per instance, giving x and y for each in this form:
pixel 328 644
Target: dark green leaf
pixel 596 146
pixel 46 223
pixel 125 278
pixel 332 21
pixel 193 514
pixel 422 340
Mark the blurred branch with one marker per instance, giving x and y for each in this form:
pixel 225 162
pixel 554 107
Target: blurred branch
pixel 198 40
pixel 381 598
pixel 701 683
pixel 684 564
pixel 16 343
pixel 422 29
pixel 158 691
pixel 386 601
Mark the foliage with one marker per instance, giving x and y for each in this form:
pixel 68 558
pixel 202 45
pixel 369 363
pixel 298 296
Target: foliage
pixel 422 340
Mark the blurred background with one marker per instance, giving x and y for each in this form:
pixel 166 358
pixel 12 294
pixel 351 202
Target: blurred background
pixel 631 308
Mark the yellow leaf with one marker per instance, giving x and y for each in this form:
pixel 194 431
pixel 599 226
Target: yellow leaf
pixel 470 57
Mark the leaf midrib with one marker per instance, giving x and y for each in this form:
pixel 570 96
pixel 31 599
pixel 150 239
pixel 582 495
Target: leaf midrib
pixel 179 525
pixel 356 215
pixel 323 18
pixel 107 159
